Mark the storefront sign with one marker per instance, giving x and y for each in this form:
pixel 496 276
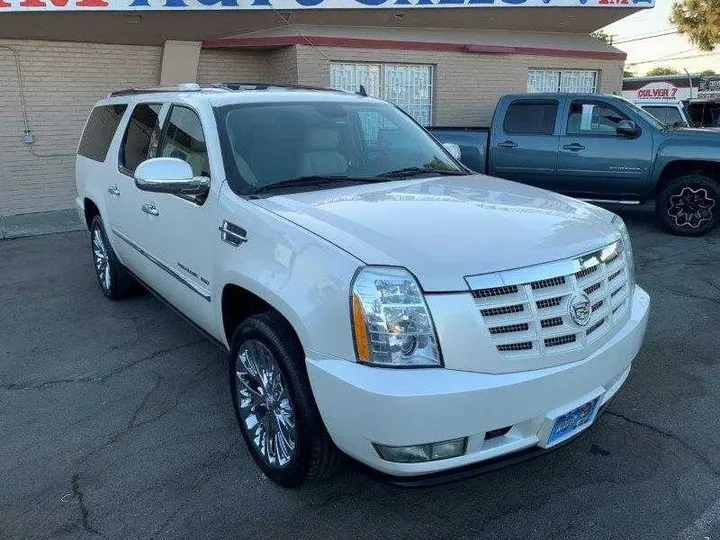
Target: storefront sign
pixel 658 90
pixel 135 5
pixel 709 85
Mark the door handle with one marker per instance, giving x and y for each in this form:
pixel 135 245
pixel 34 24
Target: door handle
pixel 114 191
pixel 150 208
pixel 574 147
pixel 508 144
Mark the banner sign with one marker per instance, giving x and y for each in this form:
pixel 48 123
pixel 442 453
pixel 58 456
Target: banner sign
pixel 658 90
pixel 189 5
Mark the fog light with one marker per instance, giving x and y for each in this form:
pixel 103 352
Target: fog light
pixel 422 452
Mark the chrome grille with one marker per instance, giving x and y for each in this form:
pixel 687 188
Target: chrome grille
pixel 493 312
pixel 495 291
pixel 550 302
pixel 560 340
pixel 527 311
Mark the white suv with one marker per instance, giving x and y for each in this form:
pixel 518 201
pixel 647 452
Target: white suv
pixel 374 295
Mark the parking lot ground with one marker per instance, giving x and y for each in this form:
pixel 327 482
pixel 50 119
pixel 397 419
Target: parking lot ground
pixel 116 422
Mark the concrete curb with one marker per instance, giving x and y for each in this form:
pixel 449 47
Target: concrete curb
pixel 39 223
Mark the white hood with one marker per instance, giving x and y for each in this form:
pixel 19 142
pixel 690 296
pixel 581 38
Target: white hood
pixel 443 229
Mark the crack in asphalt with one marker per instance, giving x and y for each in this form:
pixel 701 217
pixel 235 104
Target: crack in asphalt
pixel 671 436
pixel 100 378
pixel 80 497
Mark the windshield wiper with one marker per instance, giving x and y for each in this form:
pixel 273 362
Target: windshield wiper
pixel 408 172
pixel 313 180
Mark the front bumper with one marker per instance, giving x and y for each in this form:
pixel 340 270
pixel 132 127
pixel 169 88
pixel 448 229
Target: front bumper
pixel 361 405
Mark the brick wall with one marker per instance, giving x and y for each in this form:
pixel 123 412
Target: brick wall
pixel 283 66
pixel 467 85
pixel 218 65
pixel 62 81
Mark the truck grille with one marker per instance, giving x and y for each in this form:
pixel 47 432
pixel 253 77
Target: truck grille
pixel 532 317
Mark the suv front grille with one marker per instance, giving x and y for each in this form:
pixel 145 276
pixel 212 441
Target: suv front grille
pixel 532 317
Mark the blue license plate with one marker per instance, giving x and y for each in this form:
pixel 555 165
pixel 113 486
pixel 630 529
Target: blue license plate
pixel 571 422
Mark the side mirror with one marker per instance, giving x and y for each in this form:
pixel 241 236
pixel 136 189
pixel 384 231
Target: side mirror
pixel 170 175
pixel 453 149
pixel 628 128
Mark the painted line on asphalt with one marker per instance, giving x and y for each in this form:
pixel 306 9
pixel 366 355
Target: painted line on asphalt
pixel 700 528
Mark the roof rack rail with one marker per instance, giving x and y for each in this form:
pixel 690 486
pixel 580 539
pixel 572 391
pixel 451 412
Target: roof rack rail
pixel 182 87
pixel 269 86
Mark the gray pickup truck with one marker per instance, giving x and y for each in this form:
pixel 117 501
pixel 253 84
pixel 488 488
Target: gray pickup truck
pixel 600 148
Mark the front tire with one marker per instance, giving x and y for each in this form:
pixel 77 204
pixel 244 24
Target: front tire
pixel 689 205
pixel 115 282
pixel 274 406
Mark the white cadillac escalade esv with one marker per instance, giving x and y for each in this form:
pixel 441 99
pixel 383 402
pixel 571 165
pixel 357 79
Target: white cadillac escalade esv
pixel 377 299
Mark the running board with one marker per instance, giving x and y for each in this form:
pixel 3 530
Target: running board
pixel 612 201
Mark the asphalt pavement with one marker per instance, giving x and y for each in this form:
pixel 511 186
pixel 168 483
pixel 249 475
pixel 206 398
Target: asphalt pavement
pixel 116 422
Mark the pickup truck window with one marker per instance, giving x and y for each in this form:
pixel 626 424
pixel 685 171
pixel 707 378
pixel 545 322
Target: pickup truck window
pixel 590 118
pixel 141 137
pixel 183 138
pixel 531 117
pixel 278 143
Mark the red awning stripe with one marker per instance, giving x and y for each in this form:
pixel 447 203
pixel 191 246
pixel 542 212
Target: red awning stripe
pixel 324 41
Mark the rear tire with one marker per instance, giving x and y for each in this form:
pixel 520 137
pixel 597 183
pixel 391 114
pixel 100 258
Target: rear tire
pixel 274 405
pixel 115 282
pixel 689 205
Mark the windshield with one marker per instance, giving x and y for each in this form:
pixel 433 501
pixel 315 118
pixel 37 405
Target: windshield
pixel 279 143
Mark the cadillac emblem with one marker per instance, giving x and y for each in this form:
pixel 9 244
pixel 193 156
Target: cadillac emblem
pixel 580 309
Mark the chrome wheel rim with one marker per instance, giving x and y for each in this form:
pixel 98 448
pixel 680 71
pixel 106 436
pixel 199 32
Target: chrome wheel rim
pixel 100 257
pixel 264 404
pixel 691 207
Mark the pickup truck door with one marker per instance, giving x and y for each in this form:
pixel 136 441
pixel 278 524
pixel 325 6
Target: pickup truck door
pixel 139 142
pixel 524 144
pixel 594 159
pixel 182 232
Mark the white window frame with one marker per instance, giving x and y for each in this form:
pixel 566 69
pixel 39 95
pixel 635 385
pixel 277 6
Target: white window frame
pixel 542 80
pixel 380 88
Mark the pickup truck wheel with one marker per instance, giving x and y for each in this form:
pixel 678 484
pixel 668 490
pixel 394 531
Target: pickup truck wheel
pixel 689 205
pixel 274 405
pixel 114 280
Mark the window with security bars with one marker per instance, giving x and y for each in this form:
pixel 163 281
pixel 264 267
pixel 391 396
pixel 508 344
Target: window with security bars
pixel 556 80
pixel 407 86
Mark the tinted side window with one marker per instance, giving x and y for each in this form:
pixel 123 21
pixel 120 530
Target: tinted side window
pixel 183 138
pixel 593 118
pixel 141 137
pixel 99 131
pixel 531 117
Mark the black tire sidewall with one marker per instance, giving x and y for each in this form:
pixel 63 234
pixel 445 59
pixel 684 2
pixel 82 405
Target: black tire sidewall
pixel 675 187
pixel 288 356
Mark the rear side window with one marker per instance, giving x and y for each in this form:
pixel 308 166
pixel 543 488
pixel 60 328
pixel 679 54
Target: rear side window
pixel 141 137
pixel 99 131
pixel 531 117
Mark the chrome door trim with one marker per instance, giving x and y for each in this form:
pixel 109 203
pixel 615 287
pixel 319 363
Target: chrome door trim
pixel 197 290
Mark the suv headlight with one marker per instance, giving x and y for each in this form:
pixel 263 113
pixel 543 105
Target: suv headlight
pixel 391 322
pixel 619 224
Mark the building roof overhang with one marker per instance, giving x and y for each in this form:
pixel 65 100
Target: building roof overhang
pixel 151 22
